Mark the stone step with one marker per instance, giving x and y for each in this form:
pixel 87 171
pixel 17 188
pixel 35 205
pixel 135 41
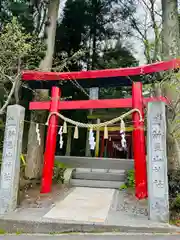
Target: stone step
pixel 86 170
pixel 105 176
pixel 96 183
pixel 96 163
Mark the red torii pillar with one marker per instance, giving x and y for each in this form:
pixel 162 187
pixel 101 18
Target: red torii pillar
pixel 50 142
pixel 139 143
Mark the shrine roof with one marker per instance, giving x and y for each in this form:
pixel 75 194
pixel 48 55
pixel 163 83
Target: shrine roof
pixel 99 78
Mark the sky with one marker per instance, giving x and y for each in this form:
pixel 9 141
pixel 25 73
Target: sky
pixel 136 44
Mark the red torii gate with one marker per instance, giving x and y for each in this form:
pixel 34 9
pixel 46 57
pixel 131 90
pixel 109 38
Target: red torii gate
pixel 137 101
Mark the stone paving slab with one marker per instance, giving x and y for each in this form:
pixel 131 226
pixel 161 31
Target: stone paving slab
pixel 83 204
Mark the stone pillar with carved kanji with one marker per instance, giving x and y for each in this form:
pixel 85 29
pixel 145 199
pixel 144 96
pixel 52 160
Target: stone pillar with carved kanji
pixel 158 196
pixel 10 170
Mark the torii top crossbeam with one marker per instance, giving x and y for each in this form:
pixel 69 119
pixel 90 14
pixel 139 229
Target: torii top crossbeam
pixel 103 78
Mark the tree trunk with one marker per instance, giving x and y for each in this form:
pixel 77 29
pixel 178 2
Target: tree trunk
pixel 35 151
pixel 170 31
pixel 52 16
pixel 94 34
pixel 170 50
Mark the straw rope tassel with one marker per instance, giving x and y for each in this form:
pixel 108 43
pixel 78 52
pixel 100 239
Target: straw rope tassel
pixel 65 127
pixel 76 133
pixel 123 129
pixel 105 132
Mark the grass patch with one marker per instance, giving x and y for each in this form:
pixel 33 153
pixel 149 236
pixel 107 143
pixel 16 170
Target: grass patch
pixel 2 232
pixel 19 232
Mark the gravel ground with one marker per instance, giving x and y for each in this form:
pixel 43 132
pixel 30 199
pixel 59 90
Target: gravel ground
pixel 126 202
pixel 34 199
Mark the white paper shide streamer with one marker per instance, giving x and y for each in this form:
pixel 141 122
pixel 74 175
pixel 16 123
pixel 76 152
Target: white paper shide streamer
pixel 123 135
pixel 117 147
pixel 61 137
pixel 92 142
pixel 38 134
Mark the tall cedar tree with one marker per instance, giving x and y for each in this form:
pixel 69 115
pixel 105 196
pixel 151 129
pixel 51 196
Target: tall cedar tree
pixel 88 25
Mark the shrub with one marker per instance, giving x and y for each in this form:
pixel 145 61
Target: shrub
pixel 175 204
pixel 129 180
pixel 174 183
pixel 58 176
pixel 174 193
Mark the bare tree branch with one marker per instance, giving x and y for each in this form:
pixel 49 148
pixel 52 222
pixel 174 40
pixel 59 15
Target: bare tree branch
pixel 151 48
pixel 10 94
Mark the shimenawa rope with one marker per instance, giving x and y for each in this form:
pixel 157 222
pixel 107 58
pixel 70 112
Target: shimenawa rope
pixel 92 126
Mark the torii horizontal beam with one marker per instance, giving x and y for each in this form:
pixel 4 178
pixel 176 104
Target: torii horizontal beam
pixel 107 73
pixel 92 104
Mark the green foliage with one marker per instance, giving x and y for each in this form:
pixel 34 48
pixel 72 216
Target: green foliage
pixel 2 232
pixel 174 186
pixel 58 176
pixel 175 204
pixel 14 45
pixel 19 232
pixel 129 180
pixel 18 49
pixel 174 193
pixel 36 54
pixel 123 187
pixel 115 57
pixel 23 10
